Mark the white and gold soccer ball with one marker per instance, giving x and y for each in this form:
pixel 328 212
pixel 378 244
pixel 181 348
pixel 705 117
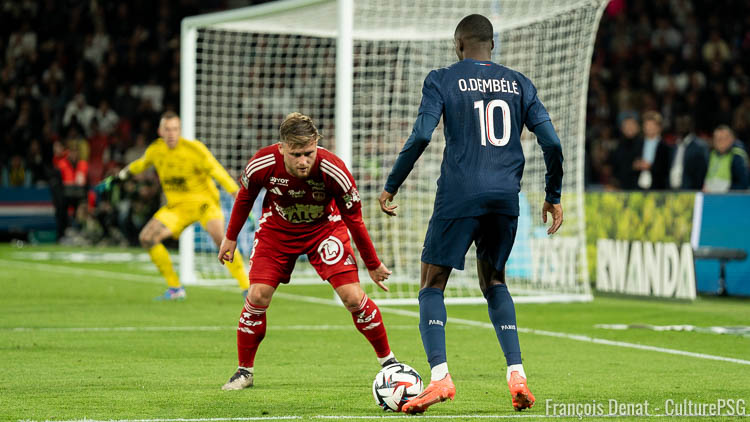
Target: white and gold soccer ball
pixel 394 385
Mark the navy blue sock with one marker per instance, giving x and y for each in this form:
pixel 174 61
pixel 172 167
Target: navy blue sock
pixel 503 317
pixel 432 318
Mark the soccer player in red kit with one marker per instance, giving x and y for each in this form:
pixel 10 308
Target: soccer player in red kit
pixel 311 200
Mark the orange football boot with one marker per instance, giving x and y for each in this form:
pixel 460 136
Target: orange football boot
pixel 519 392
pixel 436 392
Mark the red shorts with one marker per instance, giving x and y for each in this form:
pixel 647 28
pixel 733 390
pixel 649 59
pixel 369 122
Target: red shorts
pixel 275 252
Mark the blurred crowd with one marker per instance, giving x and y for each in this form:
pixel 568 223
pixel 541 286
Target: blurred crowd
pixel 82 84
pixel 669 96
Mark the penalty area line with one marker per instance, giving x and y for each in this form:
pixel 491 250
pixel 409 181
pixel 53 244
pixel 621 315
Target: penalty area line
pixel 187 328
pixel 576 337
pixel 310 299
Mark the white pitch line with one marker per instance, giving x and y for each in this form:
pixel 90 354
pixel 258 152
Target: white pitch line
pixel 309 299
pixel 189 328
pixel 577 337
pixel 384 417
pixel 461 417
pixel 258 418
pixel 141 278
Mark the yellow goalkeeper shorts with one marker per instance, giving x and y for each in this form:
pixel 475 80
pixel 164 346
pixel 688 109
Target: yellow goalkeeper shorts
pixel 177 217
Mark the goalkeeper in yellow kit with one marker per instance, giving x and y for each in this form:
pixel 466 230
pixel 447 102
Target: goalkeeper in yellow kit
pixel 185 168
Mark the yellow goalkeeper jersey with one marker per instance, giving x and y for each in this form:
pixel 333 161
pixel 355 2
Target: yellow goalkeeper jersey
pixel 186 171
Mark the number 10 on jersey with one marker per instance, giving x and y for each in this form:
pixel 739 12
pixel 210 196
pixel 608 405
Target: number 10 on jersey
pixel 487 122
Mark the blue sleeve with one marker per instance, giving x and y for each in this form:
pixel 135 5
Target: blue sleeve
pixel 535 112
pixel 553 160
pixel 432 101
pixel 739 173
pixel 412 150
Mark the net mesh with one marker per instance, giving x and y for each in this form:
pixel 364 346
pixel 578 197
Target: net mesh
pixel 251 72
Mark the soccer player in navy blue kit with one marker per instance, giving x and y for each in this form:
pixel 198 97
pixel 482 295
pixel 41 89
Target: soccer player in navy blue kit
pixel 484 106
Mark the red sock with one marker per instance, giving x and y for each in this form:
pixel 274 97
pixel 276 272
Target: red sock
pixel 250 333
pixel 369 322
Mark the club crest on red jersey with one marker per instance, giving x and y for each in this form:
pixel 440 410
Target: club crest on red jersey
pixel 331 250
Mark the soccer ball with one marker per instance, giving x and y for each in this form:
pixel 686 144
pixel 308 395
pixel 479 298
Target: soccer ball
pixel 394 385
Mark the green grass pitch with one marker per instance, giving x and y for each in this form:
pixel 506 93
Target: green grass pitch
pixel 86 341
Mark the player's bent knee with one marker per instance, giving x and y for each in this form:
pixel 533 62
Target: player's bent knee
pixel 260 294
pixel 349 290
pixel 352 303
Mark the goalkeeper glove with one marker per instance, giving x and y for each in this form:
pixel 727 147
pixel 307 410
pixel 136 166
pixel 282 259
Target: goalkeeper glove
pixel 105 185
pixel 108 182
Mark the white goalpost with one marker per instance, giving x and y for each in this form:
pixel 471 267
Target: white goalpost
pixel 357 67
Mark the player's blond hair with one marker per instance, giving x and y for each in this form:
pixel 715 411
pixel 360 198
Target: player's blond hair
pixel 298 130
pixel 169 115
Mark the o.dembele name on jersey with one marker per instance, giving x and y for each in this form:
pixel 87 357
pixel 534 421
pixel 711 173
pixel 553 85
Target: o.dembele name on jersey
pixel 489 85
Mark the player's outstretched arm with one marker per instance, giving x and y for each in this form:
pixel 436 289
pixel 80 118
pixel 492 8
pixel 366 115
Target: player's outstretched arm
pixel 557 216
pixel 108 182
pixel 379 275
pixel 218 172
pixel 139 165
pixel 412 150
pixel 240 211
pixel 385 198
pixel 226 250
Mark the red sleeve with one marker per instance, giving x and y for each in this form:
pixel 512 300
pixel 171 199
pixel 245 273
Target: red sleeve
pixel 361 238
pixel 241 209
pixel 250 186
pixel 341 184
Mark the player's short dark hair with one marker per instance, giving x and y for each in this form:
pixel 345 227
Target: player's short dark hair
pixel 298 130
pixel 475 28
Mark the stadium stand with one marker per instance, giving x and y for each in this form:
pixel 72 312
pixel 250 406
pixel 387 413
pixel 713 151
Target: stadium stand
pixel 85 81
pixel 675 57
pixel 82 84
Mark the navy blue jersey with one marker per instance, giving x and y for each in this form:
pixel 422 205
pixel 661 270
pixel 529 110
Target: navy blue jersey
pixel 484 107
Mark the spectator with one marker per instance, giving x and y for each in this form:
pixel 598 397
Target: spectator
pixel 72 170
pixel 96 46
pixel 77 111
pixel 628 152
pixel 36 164
pixel 73 177
pixel 727 165
pixel 689 163
pixel 54 74
pixel 716 49
pixel 16 175
pixel 656 155
pixel 21 43
pixel 666 36
pixel 597 154
pixel 106 118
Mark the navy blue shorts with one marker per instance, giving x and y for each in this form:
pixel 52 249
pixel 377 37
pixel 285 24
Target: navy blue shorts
pixel 447 241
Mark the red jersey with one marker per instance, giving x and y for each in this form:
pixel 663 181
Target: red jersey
pixel 294 207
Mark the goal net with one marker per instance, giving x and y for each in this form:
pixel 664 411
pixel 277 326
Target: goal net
pixel 244 70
